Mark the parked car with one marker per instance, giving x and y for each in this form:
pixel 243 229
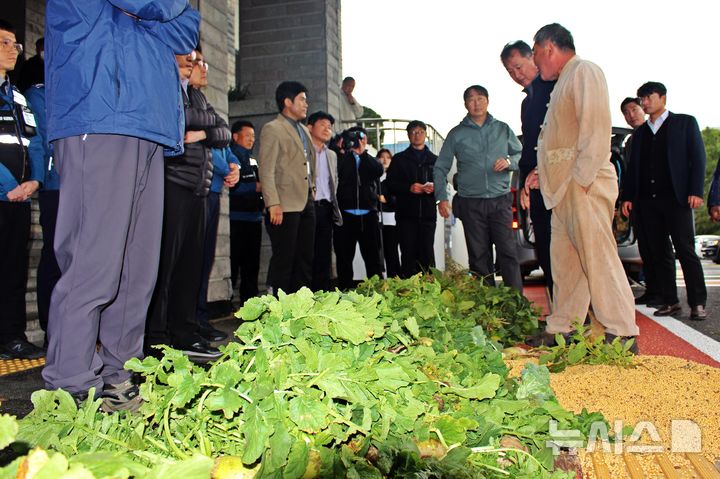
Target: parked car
pixel 706 246
pixel 622 228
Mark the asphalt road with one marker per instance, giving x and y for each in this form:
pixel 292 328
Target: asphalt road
pixel 711 326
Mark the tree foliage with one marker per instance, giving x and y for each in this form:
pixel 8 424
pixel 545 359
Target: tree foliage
pixel 711 138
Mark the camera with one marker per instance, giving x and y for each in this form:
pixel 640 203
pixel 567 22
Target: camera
pixel 351 139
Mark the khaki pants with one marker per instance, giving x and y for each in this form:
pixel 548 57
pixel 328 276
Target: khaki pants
pixel 585 262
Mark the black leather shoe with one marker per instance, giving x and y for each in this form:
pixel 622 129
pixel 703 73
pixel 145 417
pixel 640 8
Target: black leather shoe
pixel 609 338
pixel 667 309
pixel 211 334
pixel 201 349
pixel 20 349
pixel 649 299
pixel 698 313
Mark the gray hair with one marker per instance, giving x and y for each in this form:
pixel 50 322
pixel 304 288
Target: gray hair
pixel 556 33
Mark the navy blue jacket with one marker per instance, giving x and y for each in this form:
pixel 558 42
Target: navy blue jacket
pixel 110 68
pixel 405 169
pixel 532 114
pixel 686 159
pixel 35 96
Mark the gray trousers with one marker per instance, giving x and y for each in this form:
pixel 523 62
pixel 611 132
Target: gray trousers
pixel 107 244
pixel 488 221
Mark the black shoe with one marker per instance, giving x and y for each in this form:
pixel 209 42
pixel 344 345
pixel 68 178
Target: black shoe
pixel 698 313
pixel 649 299
pixel 211 334
pixel 20 349
pixel 201 349
pixel 609 338
pixel 545 339
pixel 124 396
pixel 667 309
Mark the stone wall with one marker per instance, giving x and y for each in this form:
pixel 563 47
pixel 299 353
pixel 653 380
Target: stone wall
pixel 286 40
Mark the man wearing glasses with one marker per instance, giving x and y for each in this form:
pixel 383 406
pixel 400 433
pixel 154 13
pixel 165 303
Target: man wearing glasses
pixel 410 178
pixel 486 151
pixel 21 172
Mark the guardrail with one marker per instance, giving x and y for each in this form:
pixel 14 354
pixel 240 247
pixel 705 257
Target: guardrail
pixel 391 133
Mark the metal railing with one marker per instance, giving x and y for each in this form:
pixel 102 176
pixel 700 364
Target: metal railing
pixel 391 133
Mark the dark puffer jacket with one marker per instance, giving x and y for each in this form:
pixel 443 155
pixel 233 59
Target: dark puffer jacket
pixel 194 169
pixel 406 168
pixel 358 185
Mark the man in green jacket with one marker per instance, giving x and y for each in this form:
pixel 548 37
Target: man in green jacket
pixel 486 151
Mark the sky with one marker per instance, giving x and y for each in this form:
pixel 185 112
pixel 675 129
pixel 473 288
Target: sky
pixel 412 59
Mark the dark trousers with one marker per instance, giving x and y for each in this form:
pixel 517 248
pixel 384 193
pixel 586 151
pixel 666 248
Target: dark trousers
pixel 171 318
pixel 212 220
pixel 245 239
pixel 416 238
pixel 391 244
pixel 488 221
pixel 48 272
pixel 649 267
pixel 363 229
pixel 322 261
pixel 541 217
pixel 293 246
pixel 107 244
pixel 14 236
pixel 662 218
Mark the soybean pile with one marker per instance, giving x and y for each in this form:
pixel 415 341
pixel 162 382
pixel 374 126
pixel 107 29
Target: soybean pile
pixel 400 378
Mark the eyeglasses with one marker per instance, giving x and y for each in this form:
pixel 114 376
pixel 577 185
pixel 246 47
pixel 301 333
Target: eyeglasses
pixel 8 45
pixel 417 132
pixel 202 64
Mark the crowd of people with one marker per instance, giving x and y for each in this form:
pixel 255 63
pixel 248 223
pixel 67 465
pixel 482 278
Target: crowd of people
pixel 129 238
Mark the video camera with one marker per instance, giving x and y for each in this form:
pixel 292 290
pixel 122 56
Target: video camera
pixel 351 138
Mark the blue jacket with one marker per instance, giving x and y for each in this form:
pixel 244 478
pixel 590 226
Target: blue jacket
pixel 246 204
pixel 221 158
pixel 35 96
pixel 8 182
pixel 110 68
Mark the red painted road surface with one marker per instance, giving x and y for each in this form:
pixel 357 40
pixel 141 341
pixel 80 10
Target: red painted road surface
pixel 654 340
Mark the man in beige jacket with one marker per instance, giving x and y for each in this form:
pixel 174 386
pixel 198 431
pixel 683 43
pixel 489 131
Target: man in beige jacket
pixel 286 166
pixel 579 184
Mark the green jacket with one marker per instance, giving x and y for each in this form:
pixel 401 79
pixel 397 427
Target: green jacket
pixel 476 149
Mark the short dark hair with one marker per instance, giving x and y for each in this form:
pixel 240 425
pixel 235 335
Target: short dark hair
pixel 383 150
pixel 652 87
pixel 629 100
pixel 40 44
pixel 358 128
pixel 556 33
pixel 517 46
pixel 347 79
pixel 480 90
pixel 416 124
pixel 198 47
pixel 7 26
pixel 320 115
pixel 288 89
pixel 240 124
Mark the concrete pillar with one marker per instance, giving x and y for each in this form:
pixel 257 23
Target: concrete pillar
pixel 286 40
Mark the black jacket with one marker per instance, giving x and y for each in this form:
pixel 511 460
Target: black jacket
pixel 685 154
pixel 194 169
pixel 405 169
pixel 357 187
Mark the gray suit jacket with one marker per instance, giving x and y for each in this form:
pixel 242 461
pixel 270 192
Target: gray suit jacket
pixel 282 165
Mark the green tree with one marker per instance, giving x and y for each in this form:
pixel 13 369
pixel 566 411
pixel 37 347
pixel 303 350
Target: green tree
pixel 703 225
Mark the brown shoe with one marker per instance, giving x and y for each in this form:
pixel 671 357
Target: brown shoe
pixel 698 313
pixel 667 309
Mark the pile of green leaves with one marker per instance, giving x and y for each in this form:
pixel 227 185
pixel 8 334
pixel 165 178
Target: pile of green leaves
pixel 326 385
pixel 581 348
pixel 449 303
